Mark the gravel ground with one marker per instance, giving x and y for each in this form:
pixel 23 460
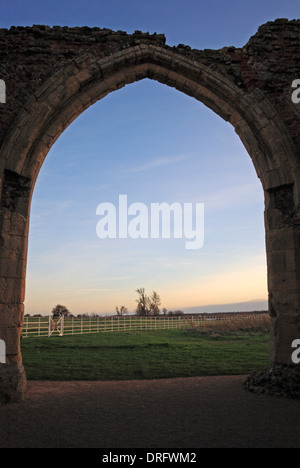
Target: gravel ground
pixel 202 412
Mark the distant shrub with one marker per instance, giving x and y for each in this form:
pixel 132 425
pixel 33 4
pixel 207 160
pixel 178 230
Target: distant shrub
pixel 240 323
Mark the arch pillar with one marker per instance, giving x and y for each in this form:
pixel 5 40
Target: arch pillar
pixel 14 223
pixel 282 224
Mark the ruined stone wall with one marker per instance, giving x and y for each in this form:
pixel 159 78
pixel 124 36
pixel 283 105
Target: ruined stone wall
pixel 54 74
pixel 269 61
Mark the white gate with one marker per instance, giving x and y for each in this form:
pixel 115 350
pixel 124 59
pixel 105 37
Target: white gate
pixel 56 326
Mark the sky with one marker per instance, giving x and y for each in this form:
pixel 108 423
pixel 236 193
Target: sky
pixel 154 145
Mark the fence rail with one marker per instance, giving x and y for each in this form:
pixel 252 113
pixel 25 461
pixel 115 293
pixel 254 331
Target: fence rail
pixel 47 326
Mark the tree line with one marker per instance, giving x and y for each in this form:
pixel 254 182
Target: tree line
pixel 147 305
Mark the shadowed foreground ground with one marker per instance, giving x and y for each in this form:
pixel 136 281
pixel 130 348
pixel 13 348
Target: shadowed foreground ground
pixel 174 413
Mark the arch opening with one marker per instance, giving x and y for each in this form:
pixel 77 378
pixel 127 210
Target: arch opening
pixel 133 167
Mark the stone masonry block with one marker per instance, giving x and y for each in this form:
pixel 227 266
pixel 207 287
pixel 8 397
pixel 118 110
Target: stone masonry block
pixel 11 315
pixel 12 338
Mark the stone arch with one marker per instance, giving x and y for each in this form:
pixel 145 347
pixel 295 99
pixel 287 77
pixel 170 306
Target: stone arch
pixel 71 87
pixel 72 90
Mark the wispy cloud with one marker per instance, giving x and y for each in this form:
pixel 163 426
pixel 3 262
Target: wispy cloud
pixel 63 205
pixel 164 161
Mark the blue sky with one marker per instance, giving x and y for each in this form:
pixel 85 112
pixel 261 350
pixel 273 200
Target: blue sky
pixel 155 145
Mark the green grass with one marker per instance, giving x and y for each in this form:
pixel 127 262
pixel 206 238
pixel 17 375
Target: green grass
pixel 144 355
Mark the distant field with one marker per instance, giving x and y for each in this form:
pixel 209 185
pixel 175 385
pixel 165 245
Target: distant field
pixel 146 354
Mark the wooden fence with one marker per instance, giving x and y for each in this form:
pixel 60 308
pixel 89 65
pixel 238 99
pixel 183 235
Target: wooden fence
pixel 48 326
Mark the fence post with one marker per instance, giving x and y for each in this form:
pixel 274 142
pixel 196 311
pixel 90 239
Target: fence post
pixel 26 328
pixel 62 325
pixel 49 326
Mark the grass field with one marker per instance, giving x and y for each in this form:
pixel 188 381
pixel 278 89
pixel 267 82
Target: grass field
pixel 147 354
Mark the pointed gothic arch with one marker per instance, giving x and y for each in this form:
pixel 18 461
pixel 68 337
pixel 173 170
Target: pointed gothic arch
pixel 230 82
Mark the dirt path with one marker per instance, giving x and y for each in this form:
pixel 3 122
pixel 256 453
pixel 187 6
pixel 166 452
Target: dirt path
pixel 173 413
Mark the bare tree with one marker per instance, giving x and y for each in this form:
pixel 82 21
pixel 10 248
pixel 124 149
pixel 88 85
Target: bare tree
pixel 143 302
pixel 155 303
pixel 122 311
pixel 148 305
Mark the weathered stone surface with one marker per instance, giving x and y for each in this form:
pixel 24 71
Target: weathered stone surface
pixel 13 384
pixel 14 189
pixel 12 314
pixel 12 337
pixel 12 290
